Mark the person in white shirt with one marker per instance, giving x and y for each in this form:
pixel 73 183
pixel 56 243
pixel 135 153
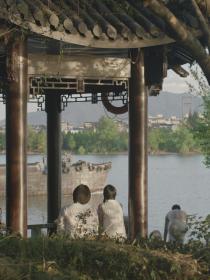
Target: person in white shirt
pixel 175 225
pixel 78 220
pixel 110 213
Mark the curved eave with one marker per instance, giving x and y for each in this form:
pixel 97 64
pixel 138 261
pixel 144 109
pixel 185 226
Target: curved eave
pixel 88 40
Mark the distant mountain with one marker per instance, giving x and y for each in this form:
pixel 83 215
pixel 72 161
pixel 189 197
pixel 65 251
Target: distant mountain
pixel 173 104
pixel 167 104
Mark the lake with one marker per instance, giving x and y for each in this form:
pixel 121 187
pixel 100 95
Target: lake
pixel 171 179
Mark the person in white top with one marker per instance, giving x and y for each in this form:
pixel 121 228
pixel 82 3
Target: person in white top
pixel 110 213
pixel 78 220
pixel 175 225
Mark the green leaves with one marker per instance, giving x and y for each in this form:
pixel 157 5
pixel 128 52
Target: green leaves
pixel 36 140
pixel 201 131
pixel 180 140
pixel 61 258
pixel 106 138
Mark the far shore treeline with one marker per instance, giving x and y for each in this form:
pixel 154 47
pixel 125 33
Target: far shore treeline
pixel 107 138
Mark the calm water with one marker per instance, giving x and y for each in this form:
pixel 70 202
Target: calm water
pixel 172 179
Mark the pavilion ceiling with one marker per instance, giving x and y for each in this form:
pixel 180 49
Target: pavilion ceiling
pixel 94 23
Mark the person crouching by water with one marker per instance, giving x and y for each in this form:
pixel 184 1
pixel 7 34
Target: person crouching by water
pixel 175 225
pixel 110 214
pixel 78 220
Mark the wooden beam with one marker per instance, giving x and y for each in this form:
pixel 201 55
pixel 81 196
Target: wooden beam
pixel 81 66
pixel 203 23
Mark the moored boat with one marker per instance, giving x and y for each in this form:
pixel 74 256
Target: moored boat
pixel 81 172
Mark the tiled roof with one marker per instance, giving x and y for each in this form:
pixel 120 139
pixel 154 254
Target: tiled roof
pixel 93 23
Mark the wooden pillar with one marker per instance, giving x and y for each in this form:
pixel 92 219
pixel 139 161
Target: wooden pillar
pixel 138 220
pixel 53 157
pixel 16 129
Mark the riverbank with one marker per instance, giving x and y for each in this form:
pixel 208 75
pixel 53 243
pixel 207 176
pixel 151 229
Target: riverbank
pixel 151 153
pixel 163 153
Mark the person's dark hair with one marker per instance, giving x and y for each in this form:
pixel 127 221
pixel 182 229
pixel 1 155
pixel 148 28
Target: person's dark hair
pixel 109 192
pixel 155 235
pixel 176 207
pixel 81 194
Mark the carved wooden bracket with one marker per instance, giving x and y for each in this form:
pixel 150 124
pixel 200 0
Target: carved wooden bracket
pixel 111 108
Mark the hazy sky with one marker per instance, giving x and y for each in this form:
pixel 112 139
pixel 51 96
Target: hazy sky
pixel 173 83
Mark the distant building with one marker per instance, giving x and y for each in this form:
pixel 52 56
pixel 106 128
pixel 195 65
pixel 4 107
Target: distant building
pixel 90 126
pixel 122 126
pixel 66 127
pixel 38 128
pixel 161 122
pixel 75 130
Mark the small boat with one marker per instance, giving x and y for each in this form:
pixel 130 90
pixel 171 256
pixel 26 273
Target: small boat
pixel 94 175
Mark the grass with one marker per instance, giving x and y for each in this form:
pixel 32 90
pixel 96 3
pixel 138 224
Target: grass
pixel 61 258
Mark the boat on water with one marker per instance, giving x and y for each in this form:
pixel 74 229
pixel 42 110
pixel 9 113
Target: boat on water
pixel 81 172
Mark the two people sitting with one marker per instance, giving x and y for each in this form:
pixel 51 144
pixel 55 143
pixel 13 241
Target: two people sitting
pixel 80 220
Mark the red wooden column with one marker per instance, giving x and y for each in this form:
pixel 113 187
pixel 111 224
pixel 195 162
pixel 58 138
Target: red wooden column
pixel 16 129
pixel 138 220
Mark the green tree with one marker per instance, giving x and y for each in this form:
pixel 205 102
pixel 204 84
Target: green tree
pixel 153 140
pixel 2 141
pixel 36 140
pixel 184 140
pixel 69 141
pixel 201 130
pixel 81 150
pixel 107 135
pixel 41 141
pixel 106 139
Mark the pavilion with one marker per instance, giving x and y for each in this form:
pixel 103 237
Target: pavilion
pixel 63 51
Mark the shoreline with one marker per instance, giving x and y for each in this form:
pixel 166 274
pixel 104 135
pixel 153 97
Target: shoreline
pixel 160 153
pixel 150 153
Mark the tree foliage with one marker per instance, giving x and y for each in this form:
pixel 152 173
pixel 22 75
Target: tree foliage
pixel 106 139
pixel 201 128
pixel 180 140
pixel 36 141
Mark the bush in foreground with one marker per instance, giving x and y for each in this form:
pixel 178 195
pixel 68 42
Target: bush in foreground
pixel 57 258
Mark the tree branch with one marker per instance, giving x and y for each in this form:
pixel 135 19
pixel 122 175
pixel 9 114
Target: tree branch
pixel 182 34
pixel 203 23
